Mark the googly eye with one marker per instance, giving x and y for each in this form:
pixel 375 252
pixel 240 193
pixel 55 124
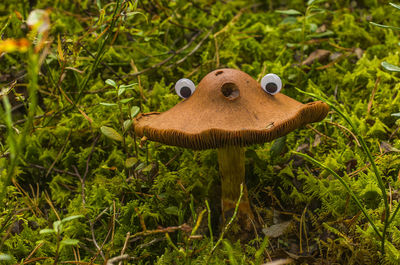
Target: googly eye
pixel 271 83
pixel 184 87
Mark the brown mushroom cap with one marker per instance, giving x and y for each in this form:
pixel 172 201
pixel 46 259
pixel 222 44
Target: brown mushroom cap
pixel 228 107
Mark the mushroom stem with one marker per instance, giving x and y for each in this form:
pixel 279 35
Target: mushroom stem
pixel 232 171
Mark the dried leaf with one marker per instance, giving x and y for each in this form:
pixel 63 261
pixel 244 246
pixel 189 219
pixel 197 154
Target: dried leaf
pixel 388 147
pixel 277 230
pixel 358 52
pixel 317 140
pixel 334 56
pixel 318 55
pixel 280 262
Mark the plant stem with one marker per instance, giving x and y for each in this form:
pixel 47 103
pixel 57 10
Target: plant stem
pixel 209 223
pixel 57 249
pixel 228 225
pixel 100 52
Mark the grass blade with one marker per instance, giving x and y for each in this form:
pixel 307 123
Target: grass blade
pixel 369 156
pixel 384 26
pixel 341 180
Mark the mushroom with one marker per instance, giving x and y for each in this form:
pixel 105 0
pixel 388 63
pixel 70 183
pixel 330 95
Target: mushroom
pixel 228 111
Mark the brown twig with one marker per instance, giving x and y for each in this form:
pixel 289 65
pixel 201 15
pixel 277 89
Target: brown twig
pixel 48 200
pixel 192 51
pixel 99 248
pixel 133 65
pixel 54 169
pixel 113 223
pixel 347 130
pixel 183 227
pixel 34 260
pixel 367 164
pixel 320 133
pixel 24 120
pixel 82 179
pixel 141 220
pixel 78 262
pixel 125 245
pixel 32 204
pixel 378 80
pixel 59 154
pixel 33 251
pixel 117 259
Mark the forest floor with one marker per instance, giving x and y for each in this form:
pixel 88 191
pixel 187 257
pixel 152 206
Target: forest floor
pixel 78 186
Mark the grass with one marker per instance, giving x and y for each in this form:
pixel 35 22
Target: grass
pixel 78 186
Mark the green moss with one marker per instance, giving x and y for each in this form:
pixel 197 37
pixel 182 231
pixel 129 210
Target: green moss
pixel 168 186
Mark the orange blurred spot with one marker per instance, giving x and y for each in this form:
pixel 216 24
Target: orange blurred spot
pixel 18 14
pixel 14 45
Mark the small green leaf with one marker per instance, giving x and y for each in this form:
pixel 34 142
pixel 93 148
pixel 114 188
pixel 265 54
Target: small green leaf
pixel 57 227
pixel 111 83
pixel 395 114
pixel 278 146
pixel 128 86
pixel 69 242
pixel 316 10
pixel 98 2
pixel 121 90
pixel 291 12
pixel 325 34
pixel 47 231
pixel 136 13
pixel 147 168
pixel 384 26
pixel 130 162
pixel 390 67
pixel 172 210
pixel 5 257
pixel 310 2
pixel 111 133
pixel 134 111
pixel 126 100
pixel 127 124
pixel 140 166
pixel 72 217
pixel 108 104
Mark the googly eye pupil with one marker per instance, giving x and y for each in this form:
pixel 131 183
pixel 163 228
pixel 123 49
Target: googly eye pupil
pixel 186 92
pixel 271 87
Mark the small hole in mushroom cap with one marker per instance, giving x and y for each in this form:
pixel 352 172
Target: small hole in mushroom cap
pixel 230 91
pixel 219 72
